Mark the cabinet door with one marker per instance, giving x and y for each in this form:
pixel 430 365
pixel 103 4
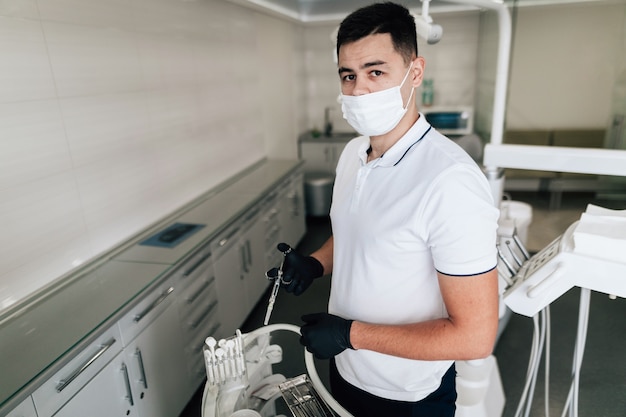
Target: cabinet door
pixel 318 157
pixel 157 367
pixel 230 285
pixel 292 219
pixel 108 394
pixel 253 243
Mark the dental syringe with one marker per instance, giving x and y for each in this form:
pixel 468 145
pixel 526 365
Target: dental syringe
pixel 276 275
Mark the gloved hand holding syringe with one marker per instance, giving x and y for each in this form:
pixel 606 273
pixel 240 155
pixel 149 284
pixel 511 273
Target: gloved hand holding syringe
pixel 296 273
pixel 276 275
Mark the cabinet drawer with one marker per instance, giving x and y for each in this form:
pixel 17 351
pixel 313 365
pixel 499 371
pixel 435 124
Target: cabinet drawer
pixel 149 308
pixel 77 373
pixel 226 240
pixel 197 266
pixel 202 292
pixel 196 322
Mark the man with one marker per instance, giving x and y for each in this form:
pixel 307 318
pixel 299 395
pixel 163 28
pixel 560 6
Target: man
pixel 414 285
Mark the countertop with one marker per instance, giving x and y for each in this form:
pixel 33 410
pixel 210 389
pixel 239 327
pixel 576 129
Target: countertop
pixel 40 336
pixel 338 137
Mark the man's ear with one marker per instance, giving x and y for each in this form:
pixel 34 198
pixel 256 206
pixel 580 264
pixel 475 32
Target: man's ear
pixel 417 70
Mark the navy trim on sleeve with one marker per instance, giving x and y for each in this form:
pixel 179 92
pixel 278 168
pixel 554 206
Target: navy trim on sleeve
pixel 468 275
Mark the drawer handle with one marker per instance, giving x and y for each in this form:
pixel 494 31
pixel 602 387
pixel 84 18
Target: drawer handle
pixel 194 297
pixel 196 265
pixel 227 238
pixel 129 392
pixel 155 303
pixel 252 214
pixel 205 313
pixel 142 370
pixel 102 348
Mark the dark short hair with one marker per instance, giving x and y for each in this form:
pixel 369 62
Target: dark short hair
pixel 387 17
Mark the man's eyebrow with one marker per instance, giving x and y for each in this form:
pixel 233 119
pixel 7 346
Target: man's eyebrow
pixel 364 66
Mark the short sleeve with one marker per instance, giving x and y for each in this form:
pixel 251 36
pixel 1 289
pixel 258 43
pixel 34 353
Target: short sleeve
pixel 459 222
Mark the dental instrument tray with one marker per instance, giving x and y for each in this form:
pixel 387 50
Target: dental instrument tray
pixel 302 398
pixel 556 269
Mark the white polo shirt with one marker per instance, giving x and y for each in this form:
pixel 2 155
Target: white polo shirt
pixel 423 207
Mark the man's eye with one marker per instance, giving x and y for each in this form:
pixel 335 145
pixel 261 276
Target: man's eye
pixel 349 77
pixel 376 73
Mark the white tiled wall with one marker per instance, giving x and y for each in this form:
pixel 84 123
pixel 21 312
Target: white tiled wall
pixel 115 113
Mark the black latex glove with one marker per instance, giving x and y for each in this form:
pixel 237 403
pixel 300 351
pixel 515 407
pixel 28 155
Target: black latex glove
pixel 325 335
pixel 298 271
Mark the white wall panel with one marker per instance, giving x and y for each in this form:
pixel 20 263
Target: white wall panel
pixel 26 73
pixel 564 66
pixel 92 60
pixel 106 14
pixel 19 8
pixel 115 113
pixel 32 142
pixel 44 224
pixel 103 127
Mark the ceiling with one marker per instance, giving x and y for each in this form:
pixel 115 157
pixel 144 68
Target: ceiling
pixel 323 11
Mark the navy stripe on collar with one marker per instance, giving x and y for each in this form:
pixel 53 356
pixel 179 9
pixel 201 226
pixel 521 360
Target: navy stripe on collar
pixel 409 148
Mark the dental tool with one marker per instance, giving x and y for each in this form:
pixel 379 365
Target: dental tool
pixel 276 275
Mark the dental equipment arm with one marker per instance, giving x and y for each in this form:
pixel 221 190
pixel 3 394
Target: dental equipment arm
pixel 425 27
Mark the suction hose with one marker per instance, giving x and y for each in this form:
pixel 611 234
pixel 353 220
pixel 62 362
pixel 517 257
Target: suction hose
pixel 310 367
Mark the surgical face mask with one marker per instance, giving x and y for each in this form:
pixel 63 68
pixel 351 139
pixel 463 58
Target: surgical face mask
pixel 377 113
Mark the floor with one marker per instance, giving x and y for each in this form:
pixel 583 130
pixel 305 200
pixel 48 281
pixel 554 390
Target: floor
pixel 603 376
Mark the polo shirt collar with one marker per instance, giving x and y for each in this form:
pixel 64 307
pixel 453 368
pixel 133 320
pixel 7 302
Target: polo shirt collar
pixel 394 155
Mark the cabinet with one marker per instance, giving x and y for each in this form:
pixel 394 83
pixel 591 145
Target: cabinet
pixel 148 362
pixel 292 215
pixel 109 394
pixel 154 354
pixel 239 269
pixel 321 156
pixel 197 305
pixel 78 373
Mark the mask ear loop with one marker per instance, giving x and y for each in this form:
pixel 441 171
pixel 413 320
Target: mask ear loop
pixel 412 89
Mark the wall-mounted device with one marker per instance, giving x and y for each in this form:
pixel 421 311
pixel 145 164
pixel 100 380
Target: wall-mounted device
pixel 451 120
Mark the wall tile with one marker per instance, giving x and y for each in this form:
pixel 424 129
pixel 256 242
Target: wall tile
pixel 91 60
pixel 26 73
pixel 110 13
pixel 34 232
pixel 167 62
pixel 43 268
pixel 33 144
pixel 102 127
pixel 119 196
pixel 19 8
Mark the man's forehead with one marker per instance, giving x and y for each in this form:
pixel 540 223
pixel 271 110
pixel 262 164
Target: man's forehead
pixel 366 51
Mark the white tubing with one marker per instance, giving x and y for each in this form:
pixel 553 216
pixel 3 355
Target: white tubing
pixel 310 367
pixel 321 389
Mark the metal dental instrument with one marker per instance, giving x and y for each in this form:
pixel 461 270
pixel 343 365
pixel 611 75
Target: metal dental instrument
pixel 520 245
pixel 516 258
pixel 276 275
pixel 506 262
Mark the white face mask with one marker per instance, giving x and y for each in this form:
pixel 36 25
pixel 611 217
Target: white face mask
pixel 377 113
